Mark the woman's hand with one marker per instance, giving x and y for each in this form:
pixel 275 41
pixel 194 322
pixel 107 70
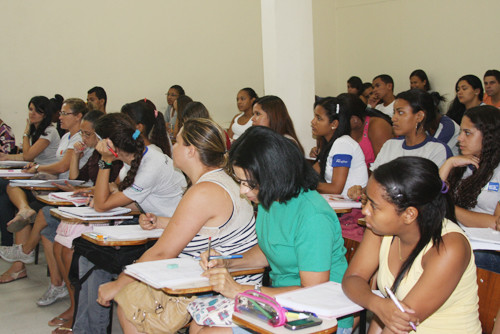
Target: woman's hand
pixel 463 160
pixel 107 292
pixel 314 152
pixel 355 193
pixel 148 221
pixel 27 128
pixel 30 168
pixel 218 263
pixel 103 147
pixel 497 224
pixel 222 282
pixel 396 321
pixel 65 187
pixel 79 147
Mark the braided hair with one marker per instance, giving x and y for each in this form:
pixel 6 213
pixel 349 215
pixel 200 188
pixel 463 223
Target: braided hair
pixel 119 128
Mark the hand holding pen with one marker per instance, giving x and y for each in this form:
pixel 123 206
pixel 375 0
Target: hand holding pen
pixel 107 150
pixel 148 221
pixel 397 316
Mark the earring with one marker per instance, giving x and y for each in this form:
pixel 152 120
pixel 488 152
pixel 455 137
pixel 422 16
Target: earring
pixel 334 127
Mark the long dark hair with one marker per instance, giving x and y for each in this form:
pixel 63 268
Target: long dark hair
pixel 421 100
pixel 422 76
pixel 119 128
pixel 144 112
pixel 457 109
pixel 465 192
pixel 41 104
pixel 279 118
pixel 272 163
pixel 344 128
pixel 419 186
pixel 182 102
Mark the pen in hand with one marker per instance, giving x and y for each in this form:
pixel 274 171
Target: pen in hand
pixel 209 246
pixel 398 305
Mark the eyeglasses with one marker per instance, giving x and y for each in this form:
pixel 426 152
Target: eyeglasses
pixel 62 113
pixel 248 184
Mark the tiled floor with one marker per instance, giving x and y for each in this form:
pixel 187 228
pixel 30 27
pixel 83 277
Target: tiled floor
pixel 19 313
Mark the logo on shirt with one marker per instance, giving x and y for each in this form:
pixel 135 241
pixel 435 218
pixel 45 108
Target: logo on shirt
pixel 136 188
pixel 493 186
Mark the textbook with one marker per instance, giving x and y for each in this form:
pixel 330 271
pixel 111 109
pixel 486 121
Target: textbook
pixel 13 164
pixel 483 238
pixel 341 202
pixel 326 300
pixel 128 232
pixel 14 173
pixel 169 273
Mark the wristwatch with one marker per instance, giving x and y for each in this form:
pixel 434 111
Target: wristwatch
pixel 257 287
pixel 36 168
pixel 103 164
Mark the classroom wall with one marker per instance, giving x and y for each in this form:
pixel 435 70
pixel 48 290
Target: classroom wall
pixel 134 49
pixel 446 38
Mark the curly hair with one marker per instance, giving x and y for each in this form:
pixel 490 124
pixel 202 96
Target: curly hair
pixel 466 191
pixel 119 128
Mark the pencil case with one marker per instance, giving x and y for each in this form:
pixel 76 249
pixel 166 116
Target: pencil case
pixel 261 307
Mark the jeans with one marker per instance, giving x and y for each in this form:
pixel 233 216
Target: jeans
pixel 49 231
pixel 489 260
pixel 91 317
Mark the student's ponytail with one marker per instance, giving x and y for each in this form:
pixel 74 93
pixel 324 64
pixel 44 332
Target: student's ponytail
pixel 134 166
pixel 158 135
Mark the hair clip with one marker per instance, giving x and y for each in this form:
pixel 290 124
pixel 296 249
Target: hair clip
pixel 156 113
pixel 338 108
pixel 136 134
pixel 444 187
pixel 145 100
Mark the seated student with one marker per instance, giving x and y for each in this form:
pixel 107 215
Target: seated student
pixel 419 80
pixel 170 114
pixel 474 175
pixel 420 252
pixel 367 96
pixel 383 89
pixel 72 112
pixel 469 91
pixel 151 181
pixel 179 106
pixel 150 123
pixel 492 88
pixel 414 110
pixel 444 128
pixel 270 111
pixel 242 121
pixel 340 162
pixel 7 139
pixel 369 127
pixel 298 232
pixel 211 207
pixel 354 86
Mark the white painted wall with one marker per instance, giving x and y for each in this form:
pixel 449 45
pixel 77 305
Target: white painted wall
pixel 134 49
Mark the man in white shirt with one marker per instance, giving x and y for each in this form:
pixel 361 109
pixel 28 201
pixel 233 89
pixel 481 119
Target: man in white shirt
pixel 383 88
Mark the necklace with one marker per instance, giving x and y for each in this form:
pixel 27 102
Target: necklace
pixel 399 248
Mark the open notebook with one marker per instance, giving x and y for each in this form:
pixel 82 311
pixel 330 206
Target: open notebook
pixel 128 232
pixel 340 202
pixel 13 164
pixel 14 173
pixel 168 273
pixel 87 213
pixel 44 183
pixel 69 197
pixel 326 300
pixel 483 238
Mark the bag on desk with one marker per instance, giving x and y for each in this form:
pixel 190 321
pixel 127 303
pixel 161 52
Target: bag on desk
pixel 151 310
pixel 260 306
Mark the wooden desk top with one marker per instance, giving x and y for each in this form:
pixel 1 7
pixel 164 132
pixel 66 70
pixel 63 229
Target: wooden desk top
pixel 114 242
pixel 45 199
pixel 341 210
pixel 328 326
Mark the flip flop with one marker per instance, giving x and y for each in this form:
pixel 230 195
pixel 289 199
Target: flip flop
pixel 14 276
pixel 62 330
pixel 18 223
pixel 58 321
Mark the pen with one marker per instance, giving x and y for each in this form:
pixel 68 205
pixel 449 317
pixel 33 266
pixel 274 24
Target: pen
pixel 141 210
pixel 222 257
pixel 398 305
pixel 209 244
pixel 111 150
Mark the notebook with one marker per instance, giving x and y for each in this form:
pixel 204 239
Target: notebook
pixel 326 300
pixel 169 273
pixel 128 232
pixel 69 197
pixel 483 238
pixel 341 202
pixel 44 183
pixel 12 164
pixel 14 173
pixel 86 211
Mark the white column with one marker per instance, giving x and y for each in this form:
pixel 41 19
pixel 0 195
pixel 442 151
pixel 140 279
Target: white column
pixel 287 43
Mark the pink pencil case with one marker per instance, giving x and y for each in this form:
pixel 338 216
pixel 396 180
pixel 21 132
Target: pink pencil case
pixel 260 306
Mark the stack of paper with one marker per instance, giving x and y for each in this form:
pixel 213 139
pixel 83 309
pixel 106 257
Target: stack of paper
pixel 14 173
pixel 169 273
pixel 44 183
pixel 483 238
pixel 12 164
pixel 326 300
pixel 340 202
pixel 128 232
pixel 87 213
pixel 69 196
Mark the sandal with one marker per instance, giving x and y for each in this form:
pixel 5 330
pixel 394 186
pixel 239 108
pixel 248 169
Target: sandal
pixel 14 276
pixel 58 321
pixel 23 218
pixel 62 330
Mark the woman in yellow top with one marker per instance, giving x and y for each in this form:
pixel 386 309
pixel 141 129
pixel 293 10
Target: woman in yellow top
pixel 421 254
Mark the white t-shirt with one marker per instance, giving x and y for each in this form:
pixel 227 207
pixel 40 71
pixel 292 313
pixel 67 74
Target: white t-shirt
pixel 346 152
pixel 158 186
pixel 238 129
pixel 388 109
pixel 430 148
pixel 447 132
pixel 67 143
pixel 490 194
pixel 48 155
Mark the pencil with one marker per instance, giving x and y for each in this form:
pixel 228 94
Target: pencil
pixel 209 244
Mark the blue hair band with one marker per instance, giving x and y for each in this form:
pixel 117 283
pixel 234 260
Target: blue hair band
pixel 136 134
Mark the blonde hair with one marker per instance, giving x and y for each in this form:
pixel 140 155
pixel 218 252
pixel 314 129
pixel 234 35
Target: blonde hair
pixel 209 140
